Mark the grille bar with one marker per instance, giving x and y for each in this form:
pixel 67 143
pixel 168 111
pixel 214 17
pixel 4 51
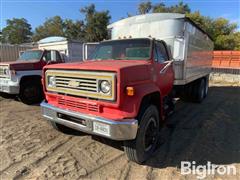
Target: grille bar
pixel 71 78
pixel 84 84
pixel 78 105
pixel 80 88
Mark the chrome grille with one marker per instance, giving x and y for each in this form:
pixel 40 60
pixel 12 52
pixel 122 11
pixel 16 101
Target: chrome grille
pixel 2 68
pixel 1 71
pixel 85 84
pixel 80 83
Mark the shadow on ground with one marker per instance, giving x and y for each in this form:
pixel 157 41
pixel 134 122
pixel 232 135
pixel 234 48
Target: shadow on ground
pixel 209 131
pixel 13 97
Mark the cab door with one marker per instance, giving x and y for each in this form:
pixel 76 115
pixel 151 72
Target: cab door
pixel 163 68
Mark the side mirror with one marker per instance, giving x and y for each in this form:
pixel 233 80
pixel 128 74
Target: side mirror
pixel 178 53
pixel 20 53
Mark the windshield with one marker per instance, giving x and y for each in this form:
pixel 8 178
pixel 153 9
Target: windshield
pixel 30 55
pixel 131 49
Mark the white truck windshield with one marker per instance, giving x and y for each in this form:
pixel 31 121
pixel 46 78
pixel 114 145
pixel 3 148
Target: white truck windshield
pixel 129 49
pixel 31 55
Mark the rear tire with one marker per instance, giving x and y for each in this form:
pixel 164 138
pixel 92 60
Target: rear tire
pixel 199 90
pixel 206 86
pixel 145 143
pixel 31 92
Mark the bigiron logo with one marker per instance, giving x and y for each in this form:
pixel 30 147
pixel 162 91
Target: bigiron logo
pixel 201 171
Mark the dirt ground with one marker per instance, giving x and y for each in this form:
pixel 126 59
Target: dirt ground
pixel 31 149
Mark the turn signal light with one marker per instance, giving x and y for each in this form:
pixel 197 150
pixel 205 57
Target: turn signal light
pixel 130 91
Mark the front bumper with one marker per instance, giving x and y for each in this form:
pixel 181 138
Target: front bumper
pixel 125 129
pixel 8 86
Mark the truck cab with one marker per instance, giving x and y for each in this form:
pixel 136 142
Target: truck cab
pixel 23 76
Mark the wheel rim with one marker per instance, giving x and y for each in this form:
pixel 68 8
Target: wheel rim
pixel 150 134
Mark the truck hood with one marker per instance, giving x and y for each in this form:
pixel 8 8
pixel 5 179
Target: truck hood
pixel 129 70
pixel 22 65
pixel 103 65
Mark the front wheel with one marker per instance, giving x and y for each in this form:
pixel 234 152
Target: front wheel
pixel 145 143
pixel 31 92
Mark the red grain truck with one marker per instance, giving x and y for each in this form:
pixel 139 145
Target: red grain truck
pixel 125 92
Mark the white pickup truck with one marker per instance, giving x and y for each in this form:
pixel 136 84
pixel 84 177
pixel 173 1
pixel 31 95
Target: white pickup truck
pixel 23 76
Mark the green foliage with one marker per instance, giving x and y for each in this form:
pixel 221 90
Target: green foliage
pixel 159 8
pixel 74 30
pixel 224 33
pixel 56 26
pixel 228 42
pixel 94 28
pixel 17 31
pixel 178 8
pixel 221 30
pixel 51 27
pixel 96 23
pixel 144 7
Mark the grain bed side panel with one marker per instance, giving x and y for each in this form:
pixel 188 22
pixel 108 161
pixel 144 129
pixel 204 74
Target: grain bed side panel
pixel 198 58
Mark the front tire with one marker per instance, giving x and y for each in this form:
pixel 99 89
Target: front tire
pixel 145 143
pixel 31 92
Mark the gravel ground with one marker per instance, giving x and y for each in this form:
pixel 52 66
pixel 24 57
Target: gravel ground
pixel 31 149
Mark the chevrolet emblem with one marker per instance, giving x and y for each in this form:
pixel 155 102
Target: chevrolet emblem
pixel 74 83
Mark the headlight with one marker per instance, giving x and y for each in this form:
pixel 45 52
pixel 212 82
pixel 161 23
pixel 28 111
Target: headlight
pixel 105 86
pixel 6 72
pixel 51 81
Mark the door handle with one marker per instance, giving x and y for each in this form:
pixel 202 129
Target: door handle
pixel 164 69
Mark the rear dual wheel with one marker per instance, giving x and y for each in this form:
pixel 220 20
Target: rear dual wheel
pixel 197 90
pixel 145 143
pixel 201 89
pixel 206 86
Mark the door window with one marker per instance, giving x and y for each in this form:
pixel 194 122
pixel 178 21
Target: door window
pixel 47 56
pixel 53 56
pixel 160 53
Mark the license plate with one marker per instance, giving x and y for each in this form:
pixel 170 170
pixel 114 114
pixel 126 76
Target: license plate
pixel 101 128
